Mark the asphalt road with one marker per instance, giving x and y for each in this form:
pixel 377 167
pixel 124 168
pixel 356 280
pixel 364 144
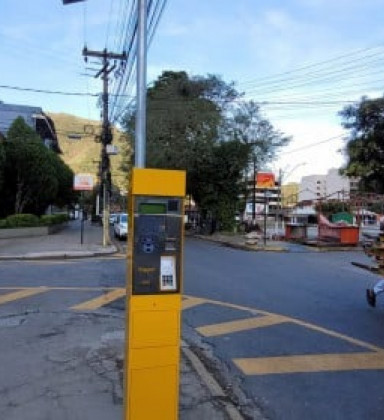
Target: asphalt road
pixel 301 341
pixel 292 331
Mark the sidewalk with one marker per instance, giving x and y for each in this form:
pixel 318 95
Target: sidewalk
pixel 201 397
pixel 63 244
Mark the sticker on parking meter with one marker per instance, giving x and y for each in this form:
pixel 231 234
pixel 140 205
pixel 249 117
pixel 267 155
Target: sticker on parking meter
pixel 167 273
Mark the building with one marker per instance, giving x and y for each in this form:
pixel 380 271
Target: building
pixel 329 186
pixel 289 194
pixel 266 191
pixel 34 117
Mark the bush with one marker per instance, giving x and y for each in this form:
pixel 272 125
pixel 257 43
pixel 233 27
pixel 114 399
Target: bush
pixel 3 224
pixel 22 220
pixel 53 219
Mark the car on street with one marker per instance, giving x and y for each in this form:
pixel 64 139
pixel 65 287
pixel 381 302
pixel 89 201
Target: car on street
pixel 112 218
pixel 120 227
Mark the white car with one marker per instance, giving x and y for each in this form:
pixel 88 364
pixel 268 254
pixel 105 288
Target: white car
pixel 120 226
pixel 112 218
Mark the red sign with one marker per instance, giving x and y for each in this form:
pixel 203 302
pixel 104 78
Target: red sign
pixel 83 182
pixel 265 180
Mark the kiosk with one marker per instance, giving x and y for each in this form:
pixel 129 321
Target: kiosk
pixel 154 284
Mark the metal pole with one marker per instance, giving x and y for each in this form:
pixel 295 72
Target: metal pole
pixel 265 217
pixel 82 219
pixel 140 135
pixel 105 156
pixel 254 192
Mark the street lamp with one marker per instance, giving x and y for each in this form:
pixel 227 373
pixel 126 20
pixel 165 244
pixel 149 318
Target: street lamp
pixel 267 194
pixel 284 175
pixel 71 1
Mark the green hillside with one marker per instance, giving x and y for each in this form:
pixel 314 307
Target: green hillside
pixel 79 142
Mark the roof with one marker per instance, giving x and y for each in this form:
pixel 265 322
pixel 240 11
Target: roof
pixel 34 117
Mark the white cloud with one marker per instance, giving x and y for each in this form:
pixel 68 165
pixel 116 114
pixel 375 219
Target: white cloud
pixel 318 158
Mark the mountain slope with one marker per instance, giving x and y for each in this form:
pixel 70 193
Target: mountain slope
pixel 79 140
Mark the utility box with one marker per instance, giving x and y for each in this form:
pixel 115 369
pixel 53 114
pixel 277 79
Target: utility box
pixel 154 285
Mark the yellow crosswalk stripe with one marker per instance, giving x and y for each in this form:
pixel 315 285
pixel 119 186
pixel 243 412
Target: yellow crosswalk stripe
pixel 240 325
pixel 191 302
pixel 20 294
pixel 102 300
pixel 310 363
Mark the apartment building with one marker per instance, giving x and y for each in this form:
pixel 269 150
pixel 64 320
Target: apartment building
pixel 329 186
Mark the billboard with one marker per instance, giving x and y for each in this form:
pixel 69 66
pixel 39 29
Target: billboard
pixel 83 182
pixel 265 180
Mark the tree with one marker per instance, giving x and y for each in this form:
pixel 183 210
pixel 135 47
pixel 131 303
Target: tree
pixel 34 175
pixel 215 181
pixel 189 126
pixel 249 127
pixel 365 143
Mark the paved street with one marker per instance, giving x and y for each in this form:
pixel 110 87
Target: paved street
pixel 293 329
pixel 287 335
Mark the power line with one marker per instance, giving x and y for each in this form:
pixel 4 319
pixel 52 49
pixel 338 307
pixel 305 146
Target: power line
pixel 316 64
pixel 50 92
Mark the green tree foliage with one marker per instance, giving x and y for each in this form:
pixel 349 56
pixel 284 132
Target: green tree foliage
pixel 332 207
pixel 190 125
pixel 250 128
pixel 365 144
pixel 34 175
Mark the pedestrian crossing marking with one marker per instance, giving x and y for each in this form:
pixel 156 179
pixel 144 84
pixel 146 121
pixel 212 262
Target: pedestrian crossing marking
pixel 20 294
pixel 372 358
pixel 100 301
pixel 190 302
pixel 310 363
pixel 241 325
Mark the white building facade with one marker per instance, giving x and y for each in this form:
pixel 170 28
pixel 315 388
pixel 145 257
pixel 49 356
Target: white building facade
pixel 329 186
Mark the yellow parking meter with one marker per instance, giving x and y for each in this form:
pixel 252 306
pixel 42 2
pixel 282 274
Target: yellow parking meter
pixel 154 283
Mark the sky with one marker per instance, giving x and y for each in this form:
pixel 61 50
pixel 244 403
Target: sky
pixel 302 60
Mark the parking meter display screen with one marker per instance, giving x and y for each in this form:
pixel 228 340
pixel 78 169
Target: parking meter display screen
pixel 152 208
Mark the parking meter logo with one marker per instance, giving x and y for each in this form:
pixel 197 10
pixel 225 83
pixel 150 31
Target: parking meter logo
pixel 83 182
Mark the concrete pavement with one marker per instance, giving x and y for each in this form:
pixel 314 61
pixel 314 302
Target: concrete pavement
pixel 82 370
pixel 63 244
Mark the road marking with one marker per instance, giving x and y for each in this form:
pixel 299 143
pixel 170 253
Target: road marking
pixel 241 325
pixel 310 363
pixel 100 301
pixel 190 302
pixel 20 294
pixel 301 323
pixel 81 289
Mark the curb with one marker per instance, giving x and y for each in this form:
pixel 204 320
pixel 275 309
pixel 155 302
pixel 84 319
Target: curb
pixel 244 247
pixel 59 255
pixel 210 382
pixel 272 248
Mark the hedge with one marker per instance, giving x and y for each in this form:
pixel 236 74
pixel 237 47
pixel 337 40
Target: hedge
pixel 30 220
pixel 22 220
pixel 53 219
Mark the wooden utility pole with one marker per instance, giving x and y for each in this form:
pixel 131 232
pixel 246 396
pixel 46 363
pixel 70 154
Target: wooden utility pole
pixel 106 135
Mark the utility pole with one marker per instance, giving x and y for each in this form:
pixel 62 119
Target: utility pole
pixel 106 135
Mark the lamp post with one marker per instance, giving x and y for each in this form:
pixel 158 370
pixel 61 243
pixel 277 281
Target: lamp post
pixel 284 175
pixel 267 194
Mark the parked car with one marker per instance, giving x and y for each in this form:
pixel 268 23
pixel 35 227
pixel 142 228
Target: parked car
pixel 112 218
pixel 120 227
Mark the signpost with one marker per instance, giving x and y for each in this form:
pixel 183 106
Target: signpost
pixel 82 182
